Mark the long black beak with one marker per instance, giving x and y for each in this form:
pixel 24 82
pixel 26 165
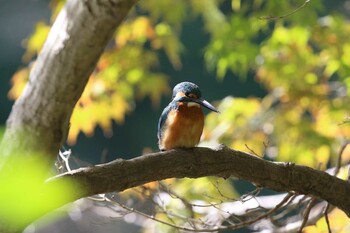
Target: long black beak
pixel 206 104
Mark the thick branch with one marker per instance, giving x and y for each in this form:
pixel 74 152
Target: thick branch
pixel 76 41
pixel 222 162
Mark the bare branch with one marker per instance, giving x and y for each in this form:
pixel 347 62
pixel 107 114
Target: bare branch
pixel 288 14
pixel 340 155
pixel 192 228
pixel 293 224
pixel 223 162
pixel 326 210
pixel 306 214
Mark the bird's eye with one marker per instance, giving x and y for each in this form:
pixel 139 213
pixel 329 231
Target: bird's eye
pixel 193 96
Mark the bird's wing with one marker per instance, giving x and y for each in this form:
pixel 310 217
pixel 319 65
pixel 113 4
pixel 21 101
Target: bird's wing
pixel 163 117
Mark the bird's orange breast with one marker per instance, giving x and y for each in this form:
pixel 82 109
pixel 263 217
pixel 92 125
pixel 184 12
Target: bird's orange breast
pixel 184 127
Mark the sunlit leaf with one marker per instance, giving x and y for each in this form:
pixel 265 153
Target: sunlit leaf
pixel 232 48
pixel 331 67
pixel 236 5
pixel 154 86
pixel 167 39
pixel 36 41
pixel 18 81
pixel 160 10
pixel 139 29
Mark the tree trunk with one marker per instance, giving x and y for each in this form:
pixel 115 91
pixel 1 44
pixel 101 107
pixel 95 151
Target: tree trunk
pixel 39 120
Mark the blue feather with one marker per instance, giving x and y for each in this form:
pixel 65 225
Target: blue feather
pixel 161 123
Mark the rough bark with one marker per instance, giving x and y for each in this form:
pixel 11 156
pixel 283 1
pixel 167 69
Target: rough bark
pixel 39 120
pixel 222 162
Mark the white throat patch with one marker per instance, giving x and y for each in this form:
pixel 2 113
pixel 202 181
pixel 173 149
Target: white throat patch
pixel 192 104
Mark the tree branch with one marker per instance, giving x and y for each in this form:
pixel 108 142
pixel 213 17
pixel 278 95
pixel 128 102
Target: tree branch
pixel 39 120
pixel 223 162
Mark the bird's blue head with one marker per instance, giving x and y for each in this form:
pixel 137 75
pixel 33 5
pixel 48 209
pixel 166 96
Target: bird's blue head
pixel 187 88
pixel 188 92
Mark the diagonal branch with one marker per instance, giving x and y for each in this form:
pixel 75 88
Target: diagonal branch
pixel 223 162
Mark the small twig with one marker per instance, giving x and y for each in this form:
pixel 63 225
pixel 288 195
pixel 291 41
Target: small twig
pixel 216 185
pixel 286 15
pixel 237 226
pixel 188 205
pixel 65 155
pixel 289 207
pixel 268 213
pixel 248 196
pixel 339 161
pixel 154 218
pixel 306 214
pixel 266 144
pixel 345 122
pixel 326 218
pixel 207 205
pixel 98 197
pixel 252 151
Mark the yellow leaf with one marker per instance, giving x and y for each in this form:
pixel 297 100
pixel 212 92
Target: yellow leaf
pixel 139 29
pixel 119 107
pixel 339 223
pixel 36 41
pixel 346 54
pixel 153 86
pixel 83 120
pixel 236 5
pixel 331 67
pixel 322 156
pixel 18 82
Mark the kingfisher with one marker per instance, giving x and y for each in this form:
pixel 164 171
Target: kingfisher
pixel 182 121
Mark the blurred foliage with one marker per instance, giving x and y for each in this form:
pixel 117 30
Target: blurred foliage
pixel 24 195
pixel 303 61
pixel 206 189
pixel 338 220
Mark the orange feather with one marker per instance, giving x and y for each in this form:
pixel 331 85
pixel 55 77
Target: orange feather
pixel 184 127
